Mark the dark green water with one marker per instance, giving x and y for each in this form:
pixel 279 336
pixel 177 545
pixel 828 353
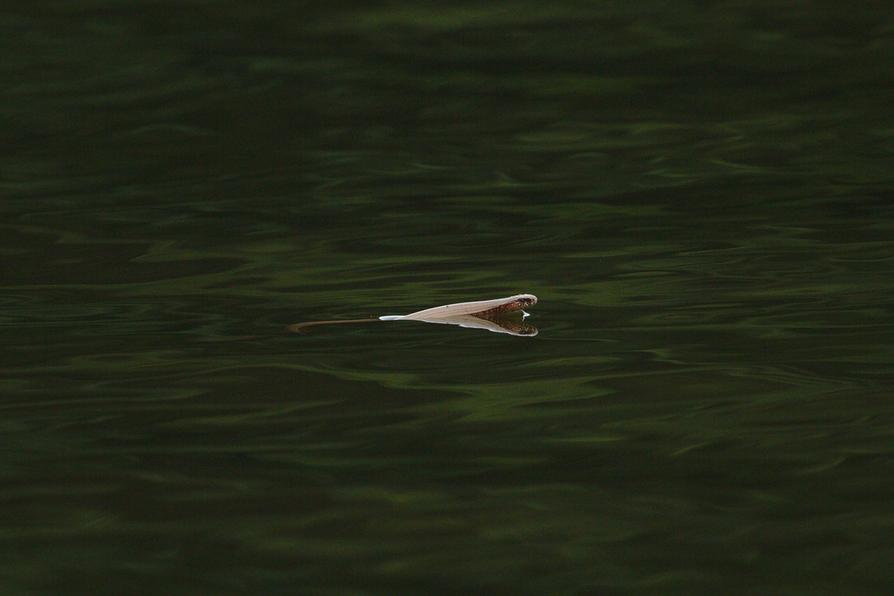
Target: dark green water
pixel 701 194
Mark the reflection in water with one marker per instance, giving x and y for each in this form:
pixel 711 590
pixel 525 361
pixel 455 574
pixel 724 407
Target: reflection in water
pixel 513 325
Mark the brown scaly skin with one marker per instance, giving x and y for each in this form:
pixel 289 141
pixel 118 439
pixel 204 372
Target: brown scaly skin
pixel 504 309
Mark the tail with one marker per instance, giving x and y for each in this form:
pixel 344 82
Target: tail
pixel 301 328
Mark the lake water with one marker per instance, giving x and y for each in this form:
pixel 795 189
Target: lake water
pixel 700 194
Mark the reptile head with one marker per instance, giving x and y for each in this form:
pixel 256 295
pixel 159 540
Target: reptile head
pixel 525 300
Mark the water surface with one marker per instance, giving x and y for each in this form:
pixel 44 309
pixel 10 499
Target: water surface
pixel 699 194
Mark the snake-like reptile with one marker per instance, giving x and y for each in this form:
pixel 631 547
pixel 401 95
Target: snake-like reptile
pixel 493 315
pixel 483 309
